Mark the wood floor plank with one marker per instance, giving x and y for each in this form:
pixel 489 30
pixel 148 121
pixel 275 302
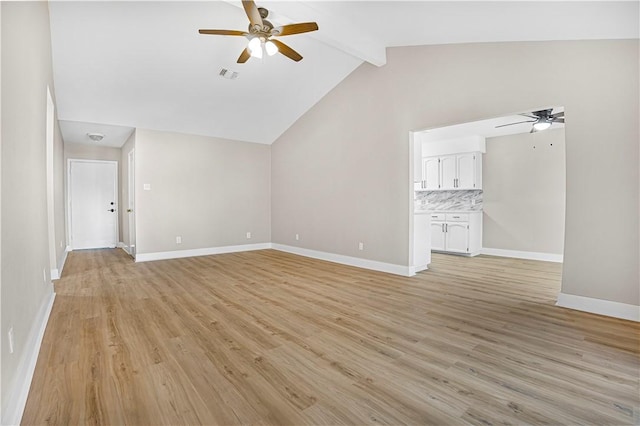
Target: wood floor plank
pixel 271 338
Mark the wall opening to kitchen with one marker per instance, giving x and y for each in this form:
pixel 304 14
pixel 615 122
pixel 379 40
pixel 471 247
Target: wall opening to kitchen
pixel 494 186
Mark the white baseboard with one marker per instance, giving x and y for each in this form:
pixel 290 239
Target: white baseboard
pixel 164 255
pixel 14 408
pixel 57 273
pixel 530 255
pixel 599 306
pixel 126 248
pixel 415 269
pixel 347 260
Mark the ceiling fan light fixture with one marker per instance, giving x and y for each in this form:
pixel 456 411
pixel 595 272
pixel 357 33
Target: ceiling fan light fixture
pixel 260 31
pixel 255 47
pixel 541 125
pixel 271 48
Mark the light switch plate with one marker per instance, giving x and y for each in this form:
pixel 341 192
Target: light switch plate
pixel 146 187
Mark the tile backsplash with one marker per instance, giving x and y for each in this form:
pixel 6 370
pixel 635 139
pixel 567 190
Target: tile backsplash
pixel 448 200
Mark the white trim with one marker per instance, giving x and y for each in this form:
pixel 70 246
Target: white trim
pixel 163 255
pixel 50 160
pixel 124 247
pixel 14 408
pixel 347 260
pixel 599 306
pixel 531 255
pixel 415 269
pixel 57 273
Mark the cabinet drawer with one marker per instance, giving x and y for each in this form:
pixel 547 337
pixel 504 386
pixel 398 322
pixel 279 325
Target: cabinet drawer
pixel 457 217
pixel 437 216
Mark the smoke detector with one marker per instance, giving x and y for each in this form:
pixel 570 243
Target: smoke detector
pixel 96 137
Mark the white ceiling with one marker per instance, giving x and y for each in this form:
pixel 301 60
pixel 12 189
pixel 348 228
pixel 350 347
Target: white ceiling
pixel 143 64
pixel 77 132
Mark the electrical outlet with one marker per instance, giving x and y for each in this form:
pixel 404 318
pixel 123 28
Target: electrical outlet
pixel 360 246
pixel 178 239
pixel 60 244
pixel 10 336
pixel 297 237
pixel 248 235
pixel 44 275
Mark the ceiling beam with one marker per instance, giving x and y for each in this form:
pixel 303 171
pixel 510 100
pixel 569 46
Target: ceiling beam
pixel 334 30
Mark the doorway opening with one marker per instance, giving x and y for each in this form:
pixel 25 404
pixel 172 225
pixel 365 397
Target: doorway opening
pixel 92 203
pixel 514 189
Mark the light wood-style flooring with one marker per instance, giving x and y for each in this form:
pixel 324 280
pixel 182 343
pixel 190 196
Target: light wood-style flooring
pixel 267 337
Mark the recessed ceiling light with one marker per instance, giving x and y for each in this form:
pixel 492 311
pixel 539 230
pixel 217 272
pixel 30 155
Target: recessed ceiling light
pixel 228 74
pixel 96 137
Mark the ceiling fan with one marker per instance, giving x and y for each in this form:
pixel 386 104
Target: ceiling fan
pixel 261 32
pixel 541 120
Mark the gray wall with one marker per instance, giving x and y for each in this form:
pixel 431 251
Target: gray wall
pixel 209 191
pixel 524 192
pixel 90 152
pixel 26 72
pixel 341 173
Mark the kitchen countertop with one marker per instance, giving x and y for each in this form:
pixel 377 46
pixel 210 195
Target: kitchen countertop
pixel 425 211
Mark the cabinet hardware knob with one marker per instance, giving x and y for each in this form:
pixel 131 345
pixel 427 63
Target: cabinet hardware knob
pixel 111 210
pixel 129 210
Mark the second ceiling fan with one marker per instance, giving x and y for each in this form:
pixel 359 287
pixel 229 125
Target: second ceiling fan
pixel 261 33
pixel 541 120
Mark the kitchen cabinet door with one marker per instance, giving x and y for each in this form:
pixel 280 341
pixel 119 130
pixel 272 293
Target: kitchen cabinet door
pixel 431 172
pixel 448 172
pixel 466 168
pixel 457 237
pixel 437 236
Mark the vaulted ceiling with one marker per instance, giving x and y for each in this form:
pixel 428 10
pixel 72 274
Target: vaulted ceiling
pixel 143 64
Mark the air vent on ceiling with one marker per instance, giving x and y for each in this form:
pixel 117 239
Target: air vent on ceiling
pixel 228 74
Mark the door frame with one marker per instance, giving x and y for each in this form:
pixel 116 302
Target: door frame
pixel 50 159
pixel 68 193
pixel 131 202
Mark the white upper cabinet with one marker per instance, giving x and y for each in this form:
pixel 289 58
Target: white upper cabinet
pixel 466 166
pixel 456 171
pixel 448 172
pixel 431 172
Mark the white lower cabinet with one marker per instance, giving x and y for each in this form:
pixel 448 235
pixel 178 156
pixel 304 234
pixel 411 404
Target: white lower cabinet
pixel 456 232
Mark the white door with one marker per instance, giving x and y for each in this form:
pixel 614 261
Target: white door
pixel 131 204
pixel 457 237
pixel 466 165
pixel 437 236
pixel 448 172
pixel 431 172
pixel 93 197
